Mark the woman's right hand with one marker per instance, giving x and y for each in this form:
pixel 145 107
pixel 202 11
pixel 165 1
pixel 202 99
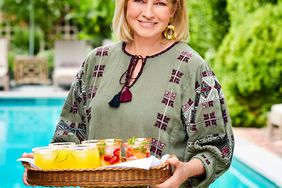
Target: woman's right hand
pixel 26 155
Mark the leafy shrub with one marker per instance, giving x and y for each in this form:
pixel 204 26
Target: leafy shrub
pixel 239 9
pixel 94 19
pixel 249 65
pixel 209 23
pixel 49 56
pixel 20 40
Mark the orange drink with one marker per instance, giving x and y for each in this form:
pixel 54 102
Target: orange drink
pixel 137 148
pixel 44 157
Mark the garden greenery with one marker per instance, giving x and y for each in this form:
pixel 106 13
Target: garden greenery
pixel 209 23
pixel 248 64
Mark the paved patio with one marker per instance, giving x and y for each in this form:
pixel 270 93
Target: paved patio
pixel 260 137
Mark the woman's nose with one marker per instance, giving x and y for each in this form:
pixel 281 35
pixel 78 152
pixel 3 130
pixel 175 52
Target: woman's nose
pixel 148 10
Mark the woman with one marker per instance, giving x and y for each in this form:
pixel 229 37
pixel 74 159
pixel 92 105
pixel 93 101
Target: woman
pixel 153 85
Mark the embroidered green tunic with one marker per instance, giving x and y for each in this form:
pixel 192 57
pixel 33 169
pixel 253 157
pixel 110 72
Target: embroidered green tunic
pixel 177 101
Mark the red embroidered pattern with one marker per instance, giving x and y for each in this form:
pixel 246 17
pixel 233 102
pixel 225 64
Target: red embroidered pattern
pixel 102 51
pixel 92 92
pixel 88 114
pixel 192 127
pixel 74 108
pixel 217 86
pixel 224 151
pixel 157 147
pixel 176 76
pixel 98 70
pixel 208 73
pixel 224 116
pixel 206 89
pixel 210 119
pixel 162 121
pixel 185 56
pixel 207 160
pixel 187 105
pixel 207 104
pixel 169 98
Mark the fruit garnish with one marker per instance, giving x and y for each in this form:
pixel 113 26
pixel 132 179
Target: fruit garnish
pixel 62 155
pixel 129 153
pixel 114 159
pixel 101 147
pixel 107 157
pixel 131 141
pixel 117 152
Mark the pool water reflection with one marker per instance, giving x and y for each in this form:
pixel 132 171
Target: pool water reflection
pixel 24 123
pixel 28 123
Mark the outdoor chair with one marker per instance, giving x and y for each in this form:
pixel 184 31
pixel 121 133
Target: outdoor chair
pixel 274 120
pixel 4 70
pixel 68 57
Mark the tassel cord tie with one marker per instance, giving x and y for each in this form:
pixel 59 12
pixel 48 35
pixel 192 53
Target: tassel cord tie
pixel 125 94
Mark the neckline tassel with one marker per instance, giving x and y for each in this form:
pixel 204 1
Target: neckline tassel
pixel 126 95
pixel 115 102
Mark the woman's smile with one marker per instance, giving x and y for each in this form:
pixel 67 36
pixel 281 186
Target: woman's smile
pixel 147 23
pixel 148 19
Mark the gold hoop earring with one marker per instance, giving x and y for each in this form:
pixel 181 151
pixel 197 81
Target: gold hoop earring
pixel 170 33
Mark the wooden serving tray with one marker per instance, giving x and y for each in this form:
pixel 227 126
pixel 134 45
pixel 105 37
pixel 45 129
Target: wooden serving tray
pixel 101 177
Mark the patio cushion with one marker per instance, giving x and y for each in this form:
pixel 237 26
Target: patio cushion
pixel 3 71
pixel 69 55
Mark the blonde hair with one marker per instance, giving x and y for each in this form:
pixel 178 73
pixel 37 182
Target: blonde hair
pixel 123 31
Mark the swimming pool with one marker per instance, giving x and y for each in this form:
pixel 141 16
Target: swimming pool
pixel 29 122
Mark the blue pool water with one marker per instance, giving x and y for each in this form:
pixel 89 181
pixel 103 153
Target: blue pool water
pixel 28 123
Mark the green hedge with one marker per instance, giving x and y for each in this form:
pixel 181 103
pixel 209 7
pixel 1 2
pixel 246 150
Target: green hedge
pixel 209 23
pixel 239 9
pixel 248 64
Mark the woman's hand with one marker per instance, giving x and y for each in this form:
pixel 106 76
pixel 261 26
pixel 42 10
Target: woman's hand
pixel 182 171
pixel 26 155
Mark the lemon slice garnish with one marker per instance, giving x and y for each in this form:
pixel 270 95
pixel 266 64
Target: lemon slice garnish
pixel 62 155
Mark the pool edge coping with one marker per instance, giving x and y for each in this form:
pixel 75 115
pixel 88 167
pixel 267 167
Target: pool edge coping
pixel 261 160
pixel 33 94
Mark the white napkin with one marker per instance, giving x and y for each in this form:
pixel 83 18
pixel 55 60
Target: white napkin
pixel 145 163
pixel 29 160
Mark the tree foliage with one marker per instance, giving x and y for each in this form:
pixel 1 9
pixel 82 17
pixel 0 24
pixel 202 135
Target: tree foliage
pixel 239 9
pixel 249 65
pixel 93 18
pixel 209 23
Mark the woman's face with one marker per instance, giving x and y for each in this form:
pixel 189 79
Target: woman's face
pixel 148 18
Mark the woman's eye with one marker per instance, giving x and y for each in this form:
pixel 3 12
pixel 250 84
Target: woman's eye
pixel 139 1
pixel 160 3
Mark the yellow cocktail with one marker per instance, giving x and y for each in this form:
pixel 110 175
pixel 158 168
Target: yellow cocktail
pixel 63 158
pixel 84 156
pixel 44 157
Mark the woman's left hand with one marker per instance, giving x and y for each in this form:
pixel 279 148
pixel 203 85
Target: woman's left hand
pixel 182 171
pixel 179 176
